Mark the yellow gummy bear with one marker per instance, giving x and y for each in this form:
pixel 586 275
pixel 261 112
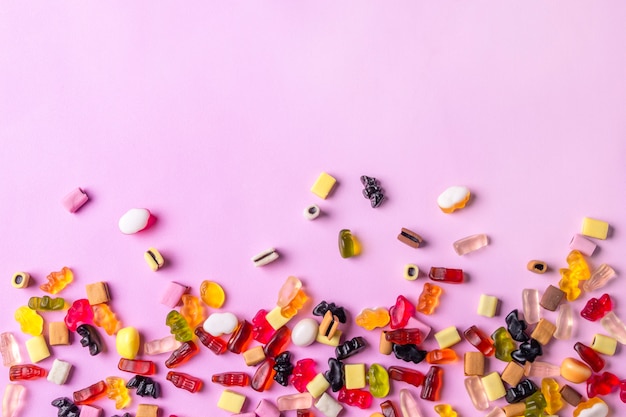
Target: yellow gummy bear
pixel 30 322
pixel 369 319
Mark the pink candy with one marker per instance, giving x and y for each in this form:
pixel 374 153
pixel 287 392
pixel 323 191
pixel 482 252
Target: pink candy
pixel 74 200
pixel 582 244
pixel 173 294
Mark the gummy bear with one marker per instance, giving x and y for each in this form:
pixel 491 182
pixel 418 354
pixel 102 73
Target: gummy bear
pixel 378 380
pixel 445 410
pixel 79 313
pixel 57 280
pixel 105 318
pixel 550 391
pixel 429 298
pixel 577 270
pixel 117 391
pixel 303 373
pixel 178 326
pixel 596 308
pixel 192 310
pixel 30 322
pixel 370 319
pixel 262 331
pixel 355 397
pixel 504 344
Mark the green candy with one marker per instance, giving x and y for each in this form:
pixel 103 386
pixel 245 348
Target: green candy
pixel 378 380
pixel 504 344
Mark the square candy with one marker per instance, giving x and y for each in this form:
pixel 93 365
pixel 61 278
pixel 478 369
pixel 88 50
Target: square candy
pixel 173 293
pixel 324 185
pixel 97 293
pixel 595 228
pixel 487 305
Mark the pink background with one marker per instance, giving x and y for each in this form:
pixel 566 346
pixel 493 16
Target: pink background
pixel 219 116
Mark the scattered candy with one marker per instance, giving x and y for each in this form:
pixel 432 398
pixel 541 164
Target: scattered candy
pixel 173 294
pixel 411 272
pixel 57 281
pixel 348 244
pixel 30 322
pixel 90 338
pixel 59 372
pixel 9 349
pixel 154 259
pixel 323 185
pixel 304 332
pixel 134 220
pixel 410 238
pixel 105 318
pixel 369 319
pixel 46 303
pixel 595 228
pixel 20 280
pixel 37 349
pixel 265 257
pixel 186 382
pixel 604 344
pixel 372 191
pixel 453 198
pixel 538 267
pixel 470 244
pixel 127 342
pixel 312 212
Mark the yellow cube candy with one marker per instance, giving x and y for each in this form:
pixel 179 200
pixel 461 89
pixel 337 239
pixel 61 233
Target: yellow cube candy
pixel 487 305
pixel 37 348
pixel 355 375
pixel 604 344
pixel 324 185
pixel 447 337
pixel 318 385
pixel 231 401
pixel 494 388
pixel 595 228
pixel 275 319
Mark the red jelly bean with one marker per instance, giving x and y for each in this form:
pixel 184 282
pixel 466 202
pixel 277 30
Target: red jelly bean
pixel 277 343
pixel 433 382
pixel 355 397
pixel 181 355
pixel 215 344
pixel 404 336
pixel 596 308
pixel 452 276
pixel 262 331
pixel 230 379
pixel 184 381
pixel 601 384
pixel 91 393
pixel 408 375
pixel 622 391
pixel 137 366
pixel 262 378
pixel 240 337
pixel 590 356
pixel 401 312
pixel 480 340
pixel 303 373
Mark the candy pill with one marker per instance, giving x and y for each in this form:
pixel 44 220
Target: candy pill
pixel 20 280
pixel 453 198
pixel 154 259
pixel 324 185
pixel 74 200
pixel 410 238
pixel 348 244
pixel 312 212
pixel 304 332
pixel 411 272
pixel 470 244
pixel 265 257
pixel 134 220
pixel 595 228
pixel 538 267
pixel 574 370
pixel 59 372
pixel 127 342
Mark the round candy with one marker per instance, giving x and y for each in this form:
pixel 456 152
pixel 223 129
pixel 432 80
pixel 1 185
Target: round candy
pixel 305 332
pixel 127 342
pixel 212 294
pixel 220 323
pixel 574 370
pixel 134 220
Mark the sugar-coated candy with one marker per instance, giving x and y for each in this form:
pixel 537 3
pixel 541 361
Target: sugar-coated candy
pixel 30 322
pixel 97 293
pixel 429 298
pixel 229 379
pixel 349 246
pixel 515 326
pixel 355 397
pixel 604 344
pixel 127 342
pixel 503 344
pixel 9 349
pixel 564 322
pixel 323 307
pixel 91 393
pixel 303 333
pixel 37 348
pixel 144 386
pixel 312 212
pixel 527 351
pixel 117 391
pixel 80 312
pixel 134 220
pixel 411 272
pixel 470 244
pixel 218 324
pixel 445 410
pixel 408 404
pixel 615 326
pixel 372 191
pixel 400 312
pixel 154 259
pixel 212 294
pixel 602 384
pixel 550 391
pixel 66 407
pixel 594 407
pixel 410 238
pixel 90 338
pixel 163 345
pixel 432 385
pixel 262 378
pixel 441 356
pixel 186 382
pixel 323 185
pixel 289 402
pixel 538 267
pixel 473 363
pixel 551 298
pixel 192 310
pixel 20 280
pixel 173 293
pixel 26 372
pixel 543 331
pixel 577 271
pixel 582 244
pixel 46 303
pixel 13 400
pixel 409 353
pixel 265 257
pixel 104 317
pixel 493 386
pixel 147 410
pixel 328 406
pixel 596 308
pixel 350 348
pixel 453 198
pixel 408 375
pixel 231 401
pixel 378 380
pixel 479 340
pixel 283 368
pixel 354 375
pixel 589 356
pixel 185 351
pixel 599 278
pixel 595 228
pixel 512 373
pixel 240 338
pixel 574 370
pixel 335 374
pixel 179 326
pixel 476 392
pixel 303 373
pixel 57 281
pixel 520 391
pixel 487 305
pixel 266 408
pixel 59 372
pixel 570 395
pixel 369 319
pixel 214 344
pixel 530 305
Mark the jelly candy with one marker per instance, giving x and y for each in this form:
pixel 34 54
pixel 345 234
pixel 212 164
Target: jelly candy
pixel 288 291
pixel 66 407
pixel 283 368
pixel 516 327
pixel 404 336
pixel 574 370
pixel 90 338
pixel 221 323
pixel 91 393
pixel 348 244
pixel 389 409
pixel 527 351
pixel 214 344
pixel 212 294
pixel 479 340
pixel 378 380
pixel 46 303
pixel 535 404
pixel 476 392
pixel 262 378
pixel 372 191
pixel 134 220
pixel 590 356
pixel 408 375
pixel 550 391
pixel 350 348
pixel 80 312
pixel 192 310
pixel 184 381
pixel 323 307
pixel 136 366
pixel 277 343
pixel 599 278
pixel 564 322
pixel 163 345
pixel 26 372
pixel 470 244
pixel 335 374
pixel 229 379
pixel 262 331
pixel 429 298
pixel 452 276
pixel 355 397
pixel 596 308
pixel 453 198
pixel 445 410
pixel 401 312
pixel 105 318
pixel 117 391
pixel 602 384
pixel 530 305
pixel 409 353
pixel 577 270
pixel 292 402
pixel 295 305
pixel 178 326
pixel 13 400
pixel 30 322
pixel 521 391
pixel 433 382
pixel 370 319
pixel 503 344
pixel 303 373
pixel 408 404
pixel 181 355
pixel 594 407
pixel 240 338
pixel 57 280
pixel 9 349
pixel 145 386
pixel 615 326
pixel 441 356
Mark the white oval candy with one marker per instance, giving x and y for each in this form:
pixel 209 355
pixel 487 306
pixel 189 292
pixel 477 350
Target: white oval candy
pixel 453 198
pixel 305 332
pixel 134 220
pixel 220 323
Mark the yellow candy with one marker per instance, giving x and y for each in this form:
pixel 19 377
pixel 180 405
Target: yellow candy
pixel 231 401
pixel 447 337
pixel 127 342
pixel 30 322
pixel 212 294
pixel 493 386
pixel 37 349
pixel 317 385
pixel 595 228
pixel 370 319
pixel 354 373
pixel 323 185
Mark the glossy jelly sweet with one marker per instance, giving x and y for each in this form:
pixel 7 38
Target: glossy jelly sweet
pixel 349 246
pixel 429 298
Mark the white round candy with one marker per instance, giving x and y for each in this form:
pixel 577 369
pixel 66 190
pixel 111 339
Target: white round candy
pixel 305 332
pixel 220 323
pixel 134 220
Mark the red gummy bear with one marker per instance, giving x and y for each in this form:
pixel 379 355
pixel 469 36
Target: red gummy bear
pixel 596 308
pixel 262 331
pixel 601 384
pixel 79 313
pixel 356 397
pixel 303 373
pixel 401 312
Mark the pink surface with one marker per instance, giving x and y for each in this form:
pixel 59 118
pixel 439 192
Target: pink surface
pixel 219 116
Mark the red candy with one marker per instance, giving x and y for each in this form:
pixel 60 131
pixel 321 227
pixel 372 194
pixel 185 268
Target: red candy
pixel 262 331
pixel 276 344
pixel 622 391
pixel 596 308
pixel 91 393
pixel 601 384
pixel 404 336
pixel 262 378
pixel 79 313
pixel 452 276
pixel 590 356
pixel 303 373
pixel 137 366
pixel 408 375
pixel 401 312
pixel 181 355
pixel 26 372
pixel 240 337
pixel 229 379
pixel 433 382
pixel 355 397
pixel 214 344
pixel 184 381
pixel 480 340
